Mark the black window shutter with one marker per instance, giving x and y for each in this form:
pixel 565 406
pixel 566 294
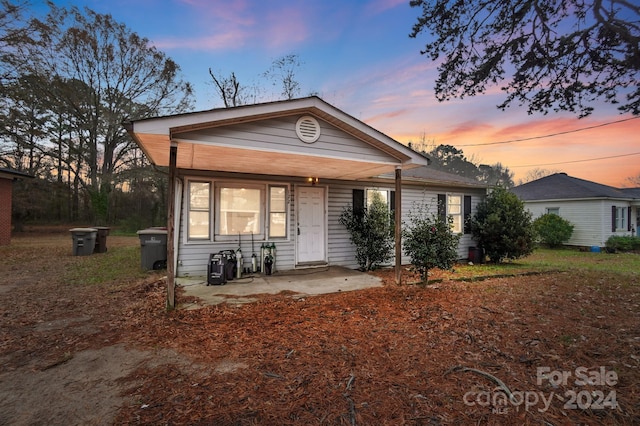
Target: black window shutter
pixel 442 206
pixel 392 201
pixel 629 218
pixel 358 202
pixel 613 218
pixel 467 214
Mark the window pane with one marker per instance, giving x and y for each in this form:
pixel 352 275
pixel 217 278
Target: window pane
pixel 277 199
pixel 198 224
pixel 199 195
pixel 199 213
pixel 454 209
pixel 382 195
pixel 239 211
pixel 278 225
pixel 457 224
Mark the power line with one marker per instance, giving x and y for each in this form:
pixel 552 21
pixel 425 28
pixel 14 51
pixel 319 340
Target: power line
pixel 579 161
pixel 552 134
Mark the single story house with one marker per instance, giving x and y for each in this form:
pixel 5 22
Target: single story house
pixel 7 176
pixel 280 174
pixel 597 211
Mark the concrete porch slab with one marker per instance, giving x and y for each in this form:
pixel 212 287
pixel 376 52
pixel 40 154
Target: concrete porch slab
pixel 301 282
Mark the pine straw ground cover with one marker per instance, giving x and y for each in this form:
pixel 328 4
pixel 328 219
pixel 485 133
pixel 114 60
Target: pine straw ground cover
pixel 445 353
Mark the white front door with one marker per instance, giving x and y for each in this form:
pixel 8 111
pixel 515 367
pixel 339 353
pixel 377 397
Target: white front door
pixel 311 224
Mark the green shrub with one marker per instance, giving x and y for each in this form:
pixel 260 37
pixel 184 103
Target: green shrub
pixel 552 229
pixel 502 226
pixel 429 241
pixel 622 243
pixel 371 232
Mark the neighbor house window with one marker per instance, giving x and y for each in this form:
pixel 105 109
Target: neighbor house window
pixel 553 210
pixel 277 212
pixel 199 210
pixel 621 218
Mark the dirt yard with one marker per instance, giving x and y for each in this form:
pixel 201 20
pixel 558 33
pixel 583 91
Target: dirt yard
pixel 549 349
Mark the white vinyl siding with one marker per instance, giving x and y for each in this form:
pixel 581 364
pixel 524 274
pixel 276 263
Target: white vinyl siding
pixel 280 134
pixel 193 255
pixel 591 218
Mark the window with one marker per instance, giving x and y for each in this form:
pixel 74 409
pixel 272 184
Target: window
pixel 239 210
pixel 621 218
pixel 199 210
pixel 223 210
pixel 458 207
pixel 277 212
pixel 553 210
pixel 454 209
pixel 382 194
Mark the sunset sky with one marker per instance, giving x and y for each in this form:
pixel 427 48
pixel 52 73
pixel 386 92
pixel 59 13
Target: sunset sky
pixel 357 55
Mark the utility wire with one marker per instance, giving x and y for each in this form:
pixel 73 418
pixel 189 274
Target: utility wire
pixel 578 161
pixel 552 134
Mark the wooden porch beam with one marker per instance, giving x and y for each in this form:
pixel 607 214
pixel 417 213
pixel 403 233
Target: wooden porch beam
pixel 171 204
pixel 398 225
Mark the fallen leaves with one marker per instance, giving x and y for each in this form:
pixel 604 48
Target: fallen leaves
pixel 380 356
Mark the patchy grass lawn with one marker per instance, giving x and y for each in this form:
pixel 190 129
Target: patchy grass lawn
pixel 552 339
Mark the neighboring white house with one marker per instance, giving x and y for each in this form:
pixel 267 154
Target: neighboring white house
pixel 281 174
pixel 596 211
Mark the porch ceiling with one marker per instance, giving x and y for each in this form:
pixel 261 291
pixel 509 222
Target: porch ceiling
pixel 198 156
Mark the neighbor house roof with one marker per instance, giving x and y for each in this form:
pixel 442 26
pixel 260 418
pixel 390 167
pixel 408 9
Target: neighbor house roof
pixel 13 174
pixel 560 186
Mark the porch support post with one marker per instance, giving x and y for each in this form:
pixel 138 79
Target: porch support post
pixel 171 206
pixel 398 224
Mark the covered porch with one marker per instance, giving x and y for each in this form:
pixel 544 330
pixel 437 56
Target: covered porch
pixel 317 142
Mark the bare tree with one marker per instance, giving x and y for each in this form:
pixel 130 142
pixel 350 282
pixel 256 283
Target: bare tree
pixel 228 88
pixel 283 73
pixel 535 174
pixel 634 180
pixel 550 55
pixel 105 74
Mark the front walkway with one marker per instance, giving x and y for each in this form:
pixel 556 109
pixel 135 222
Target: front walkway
pixel 301 283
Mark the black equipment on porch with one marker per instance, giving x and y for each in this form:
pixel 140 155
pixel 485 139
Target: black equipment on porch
pixel 217 269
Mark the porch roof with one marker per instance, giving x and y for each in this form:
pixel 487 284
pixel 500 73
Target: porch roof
pixel 155 135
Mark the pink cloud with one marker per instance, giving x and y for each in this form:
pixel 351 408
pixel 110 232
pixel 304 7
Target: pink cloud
pixel 378 6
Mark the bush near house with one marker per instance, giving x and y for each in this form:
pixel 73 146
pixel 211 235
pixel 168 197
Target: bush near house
pixel 371 232
pixel 552 230
pixel 502 226
pixel 617 243
pixel 429 241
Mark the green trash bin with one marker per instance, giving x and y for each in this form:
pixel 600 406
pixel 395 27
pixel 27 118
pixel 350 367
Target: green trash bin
pixel 153 248
pixel 101 239
pixel 84 241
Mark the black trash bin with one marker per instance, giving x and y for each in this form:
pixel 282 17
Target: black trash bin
pixel 153 248
pixel 84 241
pixel 476 255
pixel 101 239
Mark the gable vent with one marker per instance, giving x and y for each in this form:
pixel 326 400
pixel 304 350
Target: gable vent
pixel 308 129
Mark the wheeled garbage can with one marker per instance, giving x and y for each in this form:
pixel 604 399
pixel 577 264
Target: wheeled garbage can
pixel 84 241
pixel 101 239
pixel 153 248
